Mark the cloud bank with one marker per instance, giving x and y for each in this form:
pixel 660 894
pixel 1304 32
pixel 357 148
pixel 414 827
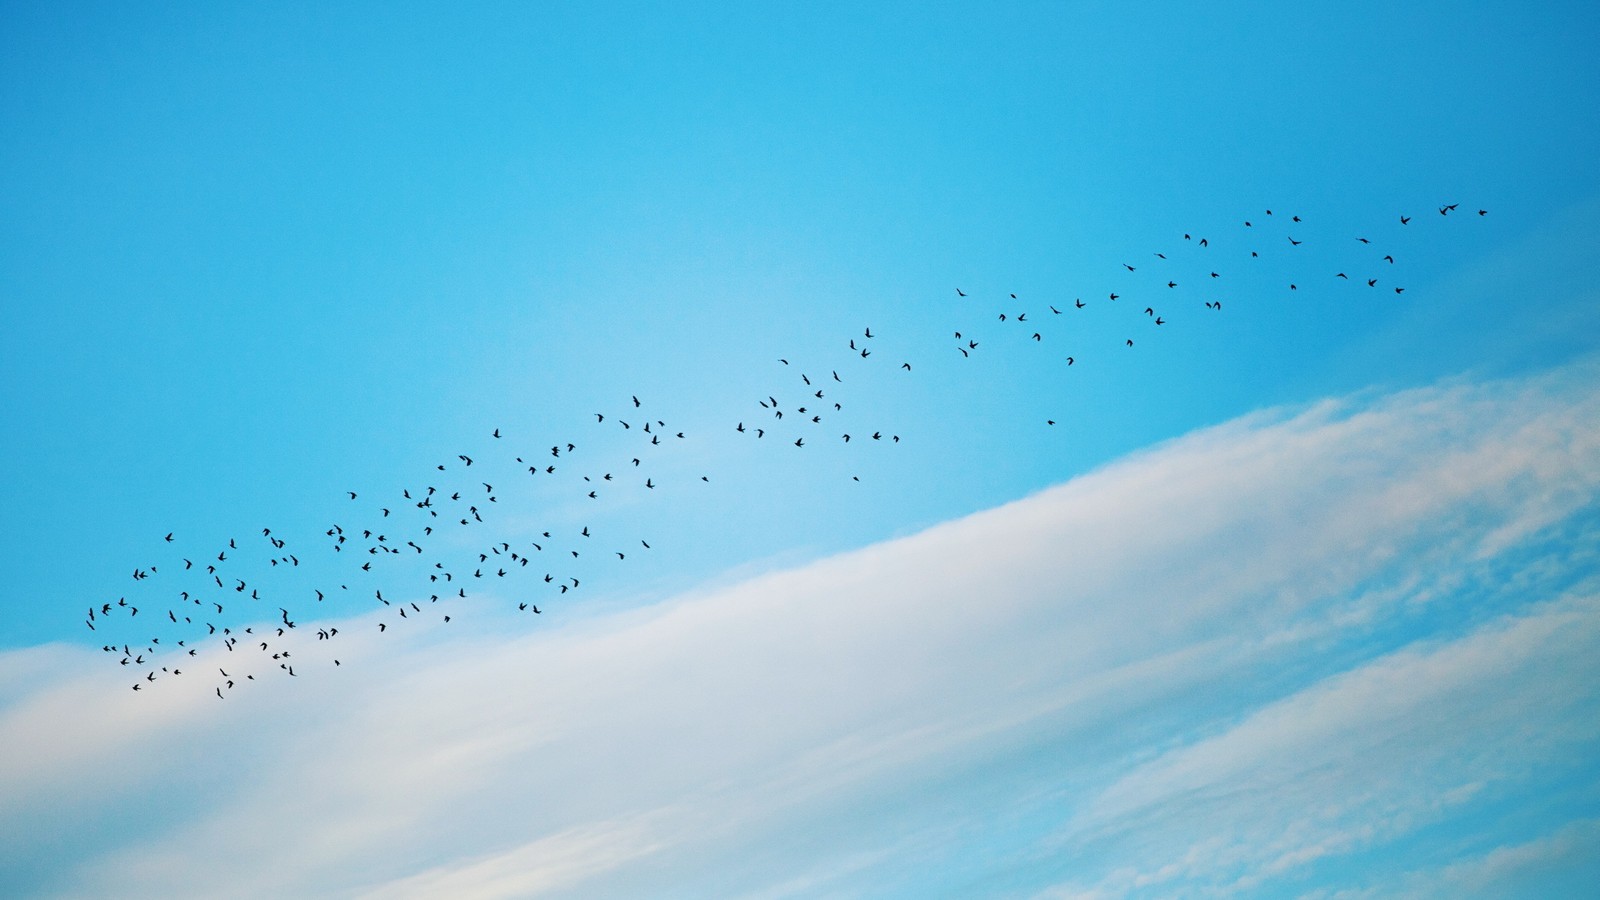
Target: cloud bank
pixel 1349 649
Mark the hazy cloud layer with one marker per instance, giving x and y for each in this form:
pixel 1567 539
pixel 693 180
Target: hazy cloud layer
pixel 1361 636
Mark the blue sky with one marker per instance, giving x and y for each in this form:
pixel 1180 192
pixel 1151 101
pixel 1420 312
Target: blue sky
pixel 254 259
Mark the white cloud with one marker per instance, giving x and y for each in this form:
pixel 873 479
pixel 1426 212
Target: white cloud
pixel 1365 755
pixel 1570 853
pixel 1133 662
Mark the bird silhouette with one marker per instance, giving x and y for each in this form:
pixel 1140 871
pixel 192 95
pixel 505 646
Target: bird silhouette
pixel 262 575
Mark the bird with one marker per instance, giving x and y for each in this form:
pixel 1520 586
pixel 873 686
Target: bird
pixel 398 521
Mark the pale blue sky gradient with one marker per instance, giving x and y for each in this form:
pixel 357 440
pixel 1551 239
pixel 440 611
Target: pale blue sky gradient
pixel 254 258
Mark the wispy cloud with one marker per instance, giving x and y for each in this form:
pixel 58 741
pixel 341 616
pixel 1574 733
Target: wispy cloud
pixel 1563 862
pixel 1289 639
pixel 1360 758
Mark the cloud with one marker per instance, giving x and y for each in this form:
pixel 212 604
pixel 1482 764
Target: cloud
pixel 1564 861
pixel 1364 756
pixel 1292 638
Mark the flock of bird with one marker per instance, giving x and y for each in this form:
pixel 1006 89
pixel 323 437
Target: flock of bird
pixel 413 552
